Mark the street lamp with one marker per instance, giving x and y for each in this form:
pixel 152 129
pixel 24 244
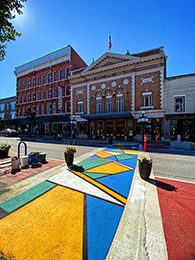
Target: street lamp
pixel 73 123
pixel 142 120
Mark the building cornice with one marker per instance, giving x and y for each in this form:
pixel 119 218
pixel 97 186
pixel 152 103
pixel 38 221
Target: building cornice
pixel 44 62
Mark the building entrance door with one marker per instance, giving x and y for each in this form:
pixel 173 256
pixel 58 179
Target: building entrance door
pixel 109 127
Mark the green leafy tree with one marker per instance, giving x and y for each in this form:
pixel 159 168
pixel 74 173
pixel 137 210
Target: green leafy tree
pixel 8 11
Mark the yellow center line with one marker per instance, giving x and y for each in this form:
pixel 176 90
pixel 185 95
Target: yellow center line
pixel 101 186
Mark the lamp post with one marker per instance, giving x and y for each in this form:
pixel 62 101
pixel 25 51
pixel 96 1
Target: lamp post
pixel 142 120
pixel 73 123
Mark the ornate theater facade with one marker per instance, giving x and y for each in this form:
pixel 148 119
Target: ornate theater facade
pixel 109 96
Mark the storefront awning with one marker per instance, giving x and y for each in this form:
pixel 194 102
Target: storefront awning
pixel 44 119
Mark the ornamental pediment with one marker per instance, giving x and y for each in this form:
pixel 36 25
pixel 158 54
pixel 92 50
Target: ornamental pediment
pixel 109 59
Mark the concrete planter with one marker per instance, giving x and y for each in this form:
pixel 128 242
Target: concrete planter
pixel 24 162
pixel 145 170
pixel 15 165
pixel 42 157
pixel 69 158
pixel 4 152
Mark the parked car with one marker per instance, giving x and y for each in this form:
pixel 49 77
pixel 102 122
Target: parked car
pixel 8 132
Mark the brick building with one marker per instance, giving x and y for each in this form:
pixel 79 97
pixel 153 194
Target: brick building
pixel 109 96
pixel 7 112
pixel 43 91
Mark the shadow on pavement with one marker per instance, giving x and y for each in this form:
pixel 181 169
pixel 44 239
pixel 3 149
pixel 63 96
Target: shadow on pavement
pixel 162 185
pixel 77 168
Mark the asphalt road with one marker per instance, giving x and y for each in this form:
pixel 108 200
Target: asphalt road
pixel 54 151
pixel 174 166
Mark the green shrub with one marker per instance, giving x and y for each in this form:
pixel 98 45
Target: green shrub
pixel 70 149
pixel 5 146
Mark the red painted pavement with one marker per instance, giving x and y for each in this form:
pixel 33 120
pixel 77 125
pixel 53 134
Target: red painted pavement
pixel 178 217
pixel 8 178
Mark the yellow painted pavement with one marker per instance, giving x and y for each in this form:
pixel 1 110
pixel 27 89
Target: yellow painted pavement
pixel 109 168
pixel 103 154
pixel 131 151
pixel 101 186
pixel 50 227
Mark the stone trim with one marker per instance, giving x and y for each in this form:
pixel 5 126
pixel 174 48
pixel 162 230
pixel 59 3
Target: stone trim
pixel 133 92
pixel 162 88
pixel 119 76
pixel 88 98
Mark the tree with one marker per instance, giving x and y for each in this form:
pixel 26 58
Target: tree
pixel 8 11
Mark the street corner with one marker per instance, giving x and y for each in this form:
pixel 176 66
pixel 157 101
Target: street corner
pixel 177 205
pixel 8 177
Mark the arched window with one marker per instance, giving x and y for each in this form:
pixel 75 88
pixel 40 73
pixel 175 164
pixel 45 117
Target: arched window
pixel 48 93
pixel 54 93
pixel 37 95
pixel 120 104
pixel 109 105
pixel 42 109
pixel 42 94
pixel 54 108
pixel 48 108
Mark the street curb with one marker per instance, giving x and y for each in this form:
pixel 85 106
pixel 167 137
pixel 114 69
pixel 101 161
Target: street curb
pixel 140 233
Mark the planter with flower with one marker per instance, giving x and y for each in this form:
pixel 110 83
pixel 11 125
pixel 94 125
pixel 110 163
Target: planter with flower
pixel 4 150
pixel 145 166
pixel 69 155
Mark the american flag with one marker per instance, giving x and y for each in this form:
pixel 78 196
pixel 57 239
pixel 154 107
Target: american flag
pixel 109 42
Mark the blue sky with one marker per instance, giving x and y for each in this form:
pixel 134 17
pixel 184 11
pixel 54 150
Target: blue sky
pixel 139 25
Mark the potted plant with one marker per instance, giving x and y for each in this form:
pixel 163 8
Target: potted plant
pixel 145 166
pixel 4 150
pixel 69 155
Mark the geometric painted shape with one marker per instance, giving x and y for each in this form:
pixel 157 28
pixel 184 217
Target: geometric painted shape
pixel 103 154
pixel 130 163
pixel 27 196
pixel 102 187
pixel 113 150
pixel 125 156
pixel 110 168
pixel 91 162
pixel 94 156
pixel 50 227
pixel 102 222
pixel 95 175
pixel 112 158
pixel 121 183
pixel 130 151
pixel 70 180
